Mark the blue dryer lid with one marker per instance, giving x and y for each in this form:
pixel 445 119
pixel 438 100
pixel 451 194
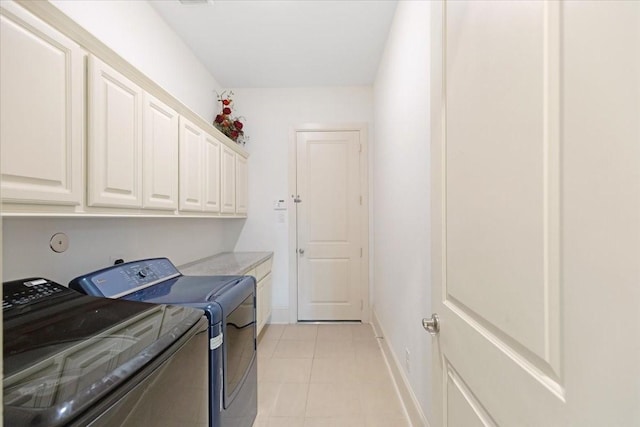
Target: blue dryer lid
pixel 185 289
pixel 191 291
pixel 158 281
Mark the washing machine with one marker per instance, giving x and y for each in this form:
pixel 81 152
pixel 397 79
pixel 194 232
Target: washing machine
pixel 75 360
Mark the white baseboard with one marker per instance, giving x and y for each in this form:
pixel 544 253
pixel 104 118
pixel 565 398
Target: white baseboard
pixel 279 315
pixel 411 405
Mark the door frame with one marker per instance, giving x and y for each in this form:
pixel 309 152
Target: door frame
pixel 364 211
pixel 438 117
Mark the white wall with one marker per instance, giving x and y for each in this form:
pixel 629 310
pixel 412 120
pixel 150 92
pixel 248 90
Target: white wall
pixel 135 31
pixel 94 242
pixel 270 115
pixel 401 179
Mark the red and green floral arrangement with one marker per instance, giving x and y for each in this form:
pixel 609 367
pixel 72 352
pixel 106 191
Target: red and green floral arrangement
pixel 230 126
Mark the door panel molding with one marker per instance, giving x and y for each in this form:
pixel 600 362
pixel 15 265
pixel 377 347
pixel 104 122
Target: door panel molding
pixel 536 367
pixel 461 402
pixel 539 339
pixel 525 248
pixel 532 346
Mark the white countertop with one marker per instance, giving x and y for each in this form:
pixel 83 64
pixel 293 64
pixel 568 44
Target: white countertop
pixel 225 264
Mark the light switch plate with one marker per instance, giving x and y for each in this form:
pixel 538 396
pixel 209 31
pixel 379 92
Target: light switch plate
pixel 279 205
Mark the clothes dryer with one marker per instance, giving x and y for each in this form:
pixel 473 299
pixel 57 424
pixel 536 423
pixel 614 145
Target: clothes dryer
pixel 229 304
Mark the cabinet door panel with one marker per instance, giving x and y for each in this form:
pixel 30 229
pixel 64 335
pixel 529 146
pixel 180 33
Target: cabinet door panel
pixel 115 138
pixel 241 185
pixel 191 148
pixel 259 309
pixel 212 174
pixel 267 298
pixel 228 180
pixel 160 155
pixel 41 111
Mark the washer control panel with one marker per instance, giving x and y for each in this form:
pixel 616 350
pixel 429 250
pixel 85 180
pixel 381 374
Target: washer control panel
pixel 29 291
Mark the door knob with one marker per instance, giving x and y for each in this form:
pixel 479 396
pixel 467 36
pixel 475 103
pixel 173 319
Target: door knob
pixel 432 325
pixel 301 251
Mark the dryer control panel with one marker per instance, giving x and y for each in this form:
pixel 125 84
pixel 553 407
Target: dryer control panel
pixel 123 279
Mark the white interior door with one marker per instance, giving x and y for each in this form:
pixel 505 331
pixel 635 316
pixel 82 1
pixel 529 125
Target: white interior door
pixel 328 218
pixel 536 222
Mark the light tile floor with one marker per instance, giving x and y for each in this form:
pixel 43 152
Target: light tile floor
pixel 324 376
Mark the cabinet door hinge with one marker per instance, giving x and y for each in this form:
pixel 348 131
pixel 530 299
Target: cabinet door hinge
pixel 360 200
pixel 360 149
pixel 360 252
pixel 361 305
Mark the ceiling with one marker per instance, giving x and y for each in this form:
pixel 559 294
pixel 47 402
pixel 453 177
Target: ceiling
pixel 291 43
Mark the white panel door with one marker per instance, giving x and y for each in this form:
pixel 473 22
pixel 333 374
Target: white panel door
pixel 212 174
pixel 536 220
pixel 41 111
pixel 227 180
pixel 328 218
pixel 115 138
pixel 242 185
pixel 160 153
pixel 191 166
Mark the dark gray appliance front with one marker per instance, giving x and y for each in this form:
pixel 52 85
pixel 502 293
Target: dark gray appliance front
pixel 229 304
pixel 76 360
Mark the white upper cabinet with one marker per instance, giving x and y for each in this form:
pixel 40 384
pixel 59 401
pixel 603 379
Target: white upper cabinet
pixel 242 181
pixel 84 132
pixel 115 138
pixel 160 154
pixel 228 180
pixel 191 166
pixel 41 111
pixel 199 169
pixel 212 174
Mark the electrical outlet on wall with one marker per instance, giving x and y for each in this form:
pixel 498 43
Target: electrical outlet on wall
pixel 114 258
pixel 407 359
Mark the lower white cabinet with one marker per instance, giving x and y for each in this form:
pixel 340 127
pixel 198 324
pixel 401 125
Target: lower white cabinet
pixel 264 290
pixel 41 111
